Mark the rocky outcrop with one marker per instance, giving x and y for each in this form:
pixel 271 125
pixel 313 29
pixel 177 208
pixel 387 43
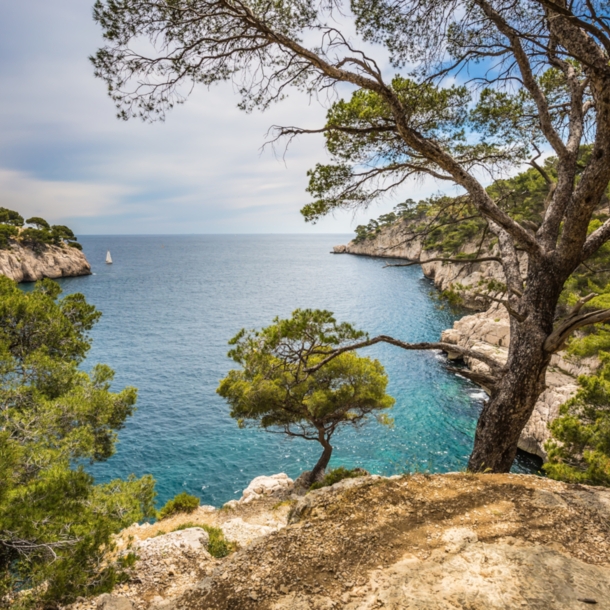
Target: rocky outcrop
pixel 487 331
pixel 443 542
pixel 395 241
pixel 27 265
pixel 274 485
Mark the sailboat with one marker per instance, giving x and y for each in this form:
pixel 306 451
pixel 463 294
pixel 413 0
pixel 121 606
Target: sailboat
pixel 108 258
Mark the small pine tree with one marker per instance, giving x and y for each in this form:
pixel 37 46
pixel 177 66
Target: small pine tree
pixel 284 383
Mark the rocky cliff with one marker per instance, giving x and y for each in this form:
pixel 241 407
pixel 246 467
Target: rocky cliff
pixel 487 331
pixel 442 542
pixel 27 265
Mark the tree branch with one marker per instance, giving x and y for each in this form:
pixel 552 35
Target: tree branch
pixel 483 259
pixel 556 340
pixel 445 347
pixel 595 241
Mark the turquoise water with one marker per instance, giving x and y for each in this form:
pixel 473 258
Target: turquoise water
pixel 171 303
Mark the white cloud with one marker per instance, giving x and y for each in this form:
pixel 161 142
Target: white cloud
pixel 57 200
pixel 65 156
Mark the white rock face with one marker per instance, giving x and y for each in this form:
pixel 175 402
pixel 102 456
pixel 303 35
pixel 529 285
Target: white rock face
pixel 266 485
pixel 237 530
pixel 395 241
pixel 25 265
pixel 193 539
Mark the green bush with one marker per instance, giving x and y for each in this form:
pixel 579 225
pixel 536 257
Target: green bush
pixel 38 235
pixel 338 474
pixel 182 503
pixel 9 217
pixel 40 223
pixel 579 451
pixel 218 546
pixel 6 232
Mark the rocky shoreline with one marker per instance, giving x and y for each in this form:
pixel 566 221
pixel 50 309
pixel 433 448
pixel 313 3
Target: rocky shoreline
pixel 488 330
pixel 23 264
pixel 453 541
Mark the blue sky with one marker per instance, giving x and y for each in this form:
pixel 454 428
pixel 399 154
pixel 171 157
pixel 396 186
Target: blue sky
pixel 65 156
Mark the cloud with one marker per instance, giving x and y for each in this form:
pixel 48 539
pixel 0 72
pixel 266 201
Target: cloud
pixel 64 155
pixel 57 200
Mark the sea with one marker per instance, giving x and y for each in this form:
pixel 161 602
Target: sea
pixel 170 305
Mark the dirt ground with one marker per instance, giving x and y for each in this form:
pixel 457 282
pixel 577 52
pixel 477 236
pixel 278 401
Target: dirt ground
pixel 438 542
pixel 339 537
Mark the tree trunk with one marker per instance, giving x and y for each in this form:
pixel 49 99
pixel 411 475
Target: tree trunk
pixel 318 470
pixel 512 402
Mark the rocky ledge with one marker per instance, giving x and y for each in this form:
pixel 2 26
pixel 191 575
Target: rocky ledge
pixel 487 331
pixel 27 265
pixel 443 542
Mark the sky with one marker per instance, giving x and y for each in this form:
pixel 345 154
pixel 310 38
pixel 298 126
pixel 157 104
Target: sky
pixel 66 157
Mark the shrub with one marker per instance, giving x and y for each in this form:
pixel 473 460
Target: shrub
pixel 182 503
pixel 40 223
pixel 218 546
pixel 579 451
pixel 57 524
pixel 11 217
pixel 6 232
pixel 338 474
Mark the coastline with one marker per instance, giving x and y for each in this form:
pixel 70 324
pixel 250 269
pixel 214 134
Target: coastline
pixel 487 330
pixel 23 264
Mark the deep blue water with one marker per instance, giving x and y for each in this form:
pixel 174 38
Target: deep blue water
pixel 171 303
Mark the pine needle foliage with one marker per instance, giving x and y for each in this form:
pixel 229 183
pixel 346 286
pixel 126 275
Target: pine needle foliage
pixel 284 384
pixel 56 524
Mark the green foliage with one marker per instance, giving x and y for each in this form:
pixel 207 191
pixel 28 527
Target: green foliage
pixel 370 158
pixel 218 545
pixel 56 524
pixel 55 235
pixel 10 217
pixel 40 223
pixel 7 232
pixel 435 112
pixel 338 474
pixel 36 236
pixel 181 503
pixel 580 449
pixel 283 385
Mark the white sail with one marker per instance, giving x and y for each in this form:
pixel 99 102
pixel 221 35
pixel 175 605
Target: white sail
pixel 108 258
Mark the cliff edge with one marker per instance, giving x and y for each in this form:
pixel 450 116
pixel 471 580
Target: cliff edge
pixel 442 542
pixel 24 264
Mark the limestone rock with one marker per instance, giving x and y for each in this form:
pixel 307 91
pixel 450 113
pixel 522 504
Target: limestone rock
pixel 194 539
pixel 26 265
pixel 325 495
pixel 237 530
pixel 440 542
pixel 114 602
pixel 491 577
pixel 266 485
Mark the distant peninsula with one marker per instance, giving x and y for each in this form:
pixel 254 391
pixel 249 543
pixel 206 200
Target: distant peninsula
pixel 32 249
